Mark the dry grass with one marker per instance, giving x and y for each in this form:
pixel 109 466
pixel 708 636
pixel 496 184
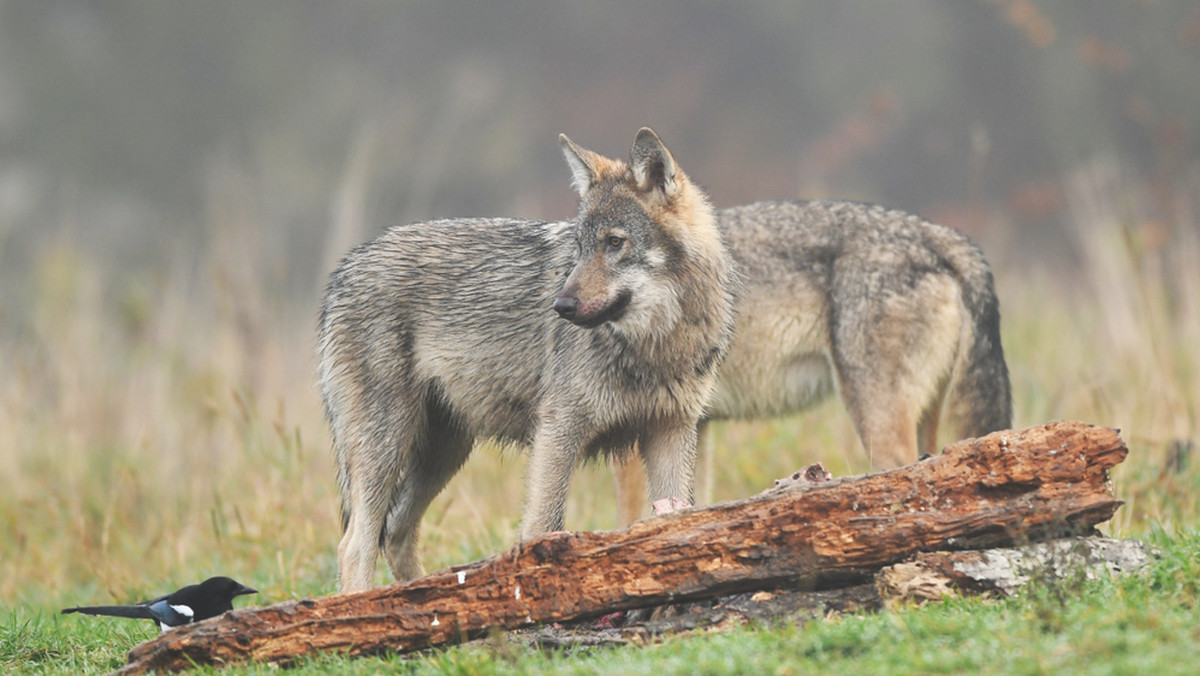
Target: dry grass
pixel 158 429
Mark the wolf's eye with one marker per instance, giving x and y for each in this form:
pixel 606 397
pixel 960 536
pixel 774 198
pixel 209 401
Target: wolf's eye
pixel 615 242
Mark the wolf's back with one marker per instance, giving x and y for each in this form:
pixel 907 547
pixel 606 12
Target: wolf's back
pixel 461 306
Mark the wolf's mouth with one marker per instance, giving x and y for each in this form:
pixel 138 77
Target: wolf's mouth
pixel 612 312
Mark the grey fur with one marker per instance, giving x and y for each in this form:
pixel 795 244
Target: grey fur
pixel 895 313
pixel 438 334
pixel 892 311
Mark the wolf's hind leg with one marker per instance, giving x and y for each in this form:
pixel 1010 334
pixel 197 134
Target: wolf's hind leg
pixel 893 354
pixel 371 474
pixel 886 421
pixel 376 446
pixel 358 548
pixel 435 457
pixel 889 432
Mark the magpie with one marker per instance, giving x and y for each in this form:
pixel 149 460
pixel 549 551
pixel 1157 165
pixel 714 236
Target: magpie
pixel 192 603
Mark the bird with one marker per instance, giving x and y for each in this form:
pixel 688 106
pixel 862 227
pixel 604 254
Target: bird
pixel 189 604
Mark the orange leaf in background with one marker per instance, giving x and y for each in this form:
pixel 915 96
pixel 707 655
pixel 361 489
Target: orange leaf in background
pixel 855 136
pixel 1025 15
pixel 1096 52
pixel 1037 198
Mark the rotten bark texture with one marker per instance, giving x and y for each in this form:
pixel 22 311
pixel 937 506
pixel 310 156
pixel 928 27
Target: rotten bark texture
pixel 1008 487
pixel 931 575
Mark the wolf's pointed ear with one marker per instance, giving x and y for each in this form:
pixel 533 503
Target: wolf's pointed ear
pixel 652 164
pixel 582 163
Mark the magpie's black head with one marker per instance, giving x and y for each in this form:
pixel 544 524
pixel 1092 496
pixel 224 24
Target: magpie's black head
pixel 225 587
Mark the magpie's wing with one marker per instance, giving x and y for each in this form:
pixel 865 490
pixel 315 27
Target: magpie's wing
pixel 171 614
pixel 139 611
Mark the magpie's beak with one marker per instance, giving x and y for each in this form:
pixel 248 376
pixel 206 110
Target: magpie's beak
pixel 243 589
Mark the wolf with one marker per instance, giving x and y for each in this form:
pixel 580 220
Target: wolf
pixel 438 334
pixel 896 314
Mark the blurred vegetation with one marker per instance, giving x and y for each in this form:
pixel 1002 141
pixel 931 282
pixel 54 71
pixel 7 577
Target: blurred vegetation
pixel 121 122
pixel 177 179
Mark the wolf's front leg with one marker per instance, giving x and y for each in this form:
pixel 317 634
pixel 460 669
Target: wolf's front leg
pixel 556 448
pixel 669 450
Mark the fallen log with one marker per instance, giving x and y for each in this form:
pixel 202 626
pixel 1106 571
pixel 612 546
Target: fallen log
pixel 928 576
pixel 1006 488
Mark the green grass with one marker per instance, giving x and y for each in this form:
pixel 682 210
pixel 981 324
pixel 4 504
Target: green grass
pixel 158 429
pixel 1144 623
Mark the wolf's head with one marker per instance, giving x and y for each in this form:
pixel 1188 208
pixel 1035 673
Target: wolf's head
pixel 643 232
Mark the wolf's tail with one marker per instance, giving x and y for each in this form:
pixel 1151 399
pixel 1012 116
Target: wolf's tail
pixel 981 396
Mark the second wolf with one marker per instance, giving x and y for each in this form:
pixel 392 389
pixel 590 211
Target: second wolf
pixel 897 314
pixel 436 334
pixel 892 311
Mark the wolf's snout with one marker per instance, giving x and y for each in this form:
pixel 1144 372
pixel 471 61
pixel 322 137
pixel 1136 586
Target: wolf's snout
pixel 566 306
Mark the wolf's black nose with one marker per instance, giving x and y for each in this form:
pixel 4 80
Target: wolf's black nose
pixel 566 306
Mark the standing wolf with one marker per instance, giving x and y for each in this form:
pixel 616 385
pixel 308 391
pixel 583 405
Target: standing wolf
pixel 892 311
pixel 438 334
pixel 896 311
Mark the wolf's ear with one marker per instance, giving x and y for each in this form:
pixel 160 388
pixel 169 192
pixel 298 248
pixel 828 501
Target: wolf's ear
pixel 582 163
pixel 652 164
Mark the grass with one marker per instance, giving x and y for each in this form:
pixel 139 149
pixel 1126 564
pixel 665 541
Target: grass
pixel 1146 623
pixel 157 429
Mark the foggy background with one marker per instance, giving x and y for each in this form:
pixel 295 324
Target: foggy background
pixel 267 137
pixel 177 180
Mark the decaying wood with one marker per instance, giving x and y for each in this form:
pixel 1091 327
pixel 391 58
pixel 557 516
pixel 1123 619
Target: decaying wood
pixel 930 575
pixel 1005 488
pixel 767 607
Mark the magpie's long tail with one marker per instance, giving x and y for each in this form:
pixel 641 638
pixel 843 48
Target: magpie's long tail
pixel 115 611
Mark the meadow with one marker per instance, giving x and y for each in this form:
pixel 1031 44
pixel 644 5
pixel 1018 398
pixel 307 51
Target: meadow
pixel 159 428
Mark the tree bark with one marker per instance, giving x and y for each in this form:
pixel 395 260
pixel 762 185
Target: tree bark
pixel 1006 488
pixel 930 575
